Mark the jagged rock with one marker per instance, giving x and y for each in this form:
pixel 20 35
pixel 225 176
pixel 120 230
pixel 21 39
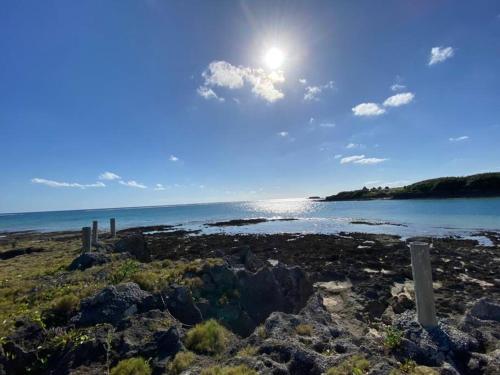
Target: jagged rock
pixel 246 258
pixel 432 347
pixel 87 260
pixel 22 346
pixel 134 244
pixel 401 303
pixel 114 303
pixel 486 309
pixel 180 303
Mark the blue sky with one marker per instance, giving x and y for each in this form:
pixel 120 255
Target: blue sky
pixel 178 102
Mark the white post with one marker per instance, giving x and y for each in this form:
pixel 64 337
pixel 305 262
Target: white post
pixel 112 227
pixel 94 232
pixel 422 279
pixel 85 239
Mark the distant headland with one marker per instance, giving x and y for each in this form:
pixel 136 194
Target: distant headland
pixel 474 186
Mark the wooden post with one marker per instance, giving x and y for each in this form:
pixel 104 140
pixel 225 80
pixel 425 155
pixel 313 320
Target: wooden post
pixel 112 227
pixel 85 239
pixel 422 279
pixel 94 232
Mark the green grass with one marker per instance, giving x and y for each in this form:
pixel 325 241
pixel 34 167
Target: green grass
pixel 131 366
pixel 181 362
pixel 354 365
pixel 248 351
pixel 393 338
pixel 229 370
pixel 208 337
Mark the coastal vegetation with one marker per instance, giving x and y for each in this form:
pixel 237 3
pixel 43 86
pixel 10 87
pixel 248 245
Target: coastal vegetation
pixel 213 304
pixel 478 185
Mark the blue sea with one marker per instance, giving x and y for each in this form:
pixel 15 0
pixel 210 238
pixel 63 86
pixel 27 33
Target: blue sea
pixel 430 217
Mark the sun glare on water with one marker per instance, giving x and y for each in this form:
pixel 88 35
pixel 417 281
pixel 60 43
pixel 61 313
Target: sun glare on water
pixel 274 58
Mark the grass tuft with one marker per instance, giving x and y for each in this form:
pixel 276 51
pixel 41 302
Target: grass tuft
pixel 181 362
pixel 132 366
pixel 354 365
pixel 304 330
pixel 229 370
pixel 207 337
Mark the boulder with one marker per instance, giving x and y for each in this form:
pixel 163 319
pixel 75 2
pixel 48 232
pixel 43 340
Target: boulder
pixel 486 309
pixel 180 303
pixel 134 244
pixel 114 303
pixel 87 260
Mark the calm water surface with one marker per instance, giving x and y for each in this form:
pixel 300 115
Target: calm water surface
pixel 419 217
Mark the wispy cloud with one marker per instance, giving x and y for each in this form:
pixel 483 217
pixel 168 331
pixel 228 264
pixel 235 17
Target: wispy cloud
pixel 283 134
pixel 368 109
pixel 109 176
pixel 350 159
pixel 440 54
pixel 303 81
pixel 224 74
pixel 159 187
pixel 397 87
pixel 338 156
pixel 361 159
pixel 459 139
pixel 173 158
pixel 399 99
pixel 313 92
pixel 208 93
pixel 354 145
pixel 133 184
pixel 57 184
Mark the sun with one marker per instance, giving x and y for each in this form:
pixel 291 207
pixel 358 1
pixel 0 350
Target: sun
pixel 274 58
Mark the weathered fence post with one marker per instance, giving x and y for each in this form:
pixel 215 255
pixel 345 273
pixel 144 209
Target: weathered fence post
pixel 94 232
pixel 85 239
pixel 422 279
pixel 112 227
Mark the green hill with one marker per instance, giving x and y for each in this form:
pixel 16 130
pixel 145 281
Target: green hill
pixel 478 185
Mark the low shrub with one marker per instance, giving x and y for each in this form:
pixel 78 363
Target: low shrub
pixel 132 366
pixel 181 362
pixel 125 271
pixel 304 330
pixel 409 367
pixel 354 365
pixel 229 370
pixel 393 338
pixel 207 337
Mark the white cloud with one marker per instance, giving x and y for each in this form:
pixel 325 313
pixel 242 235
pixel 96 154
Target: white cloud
pixel 397 87
pixel 399 99
pixel 370 160
pixel 208 93
pixel 109 176
pixel 354 145
pixel 458 139
pixel 311 120
pixel 133 184
pixel 283 134
pixel 303 81
pixel 173 158
pixel 440 54
pixel 159 187
pixel 327 124
pixel 313 92
pixel 224 74
pixel 350 159
pixel 57 184
pixel 361 159
pixel 368 109
pixel 338 156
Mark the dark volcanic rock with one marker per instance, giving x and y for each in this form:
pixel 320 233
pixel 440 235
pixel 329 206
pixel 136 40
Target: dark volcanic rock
pixel 486 309
pixel 87 260
pixel 134 244
pixel 180 303
pixel 17 252
pixel 114 303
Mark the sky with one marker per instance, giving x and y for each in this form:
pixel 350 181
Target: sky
pixel 134 103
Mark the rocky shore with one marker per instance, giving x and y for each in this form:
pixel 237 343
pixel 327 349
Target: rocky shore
pixel 161 300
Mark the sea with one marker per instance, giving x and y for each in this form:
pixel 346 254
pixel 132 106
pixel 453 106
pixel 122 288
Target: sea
pixel 423 217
